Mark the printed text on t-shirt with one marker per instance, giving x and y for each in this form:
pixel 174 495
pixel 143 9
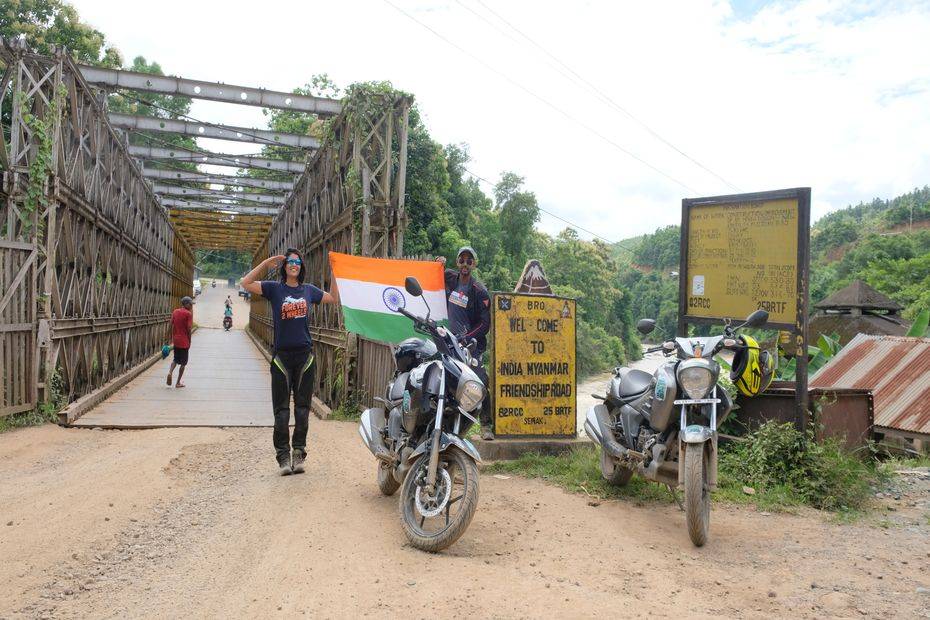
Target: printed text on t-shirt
pixel 293 308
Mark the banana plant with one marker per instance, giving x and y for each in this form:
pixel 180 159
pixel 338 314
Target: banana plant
pixel 817 357
pixel 919 326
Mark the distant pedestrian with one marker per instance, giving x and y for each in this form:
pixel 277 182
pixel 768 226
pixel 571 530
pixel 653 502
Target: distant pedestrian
pixel 182 322
pixel 292 362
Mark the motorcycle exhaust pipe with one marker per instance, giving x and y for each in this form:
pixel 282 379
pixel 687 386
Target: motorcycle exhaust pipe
pixel 598 426
pixel 370 427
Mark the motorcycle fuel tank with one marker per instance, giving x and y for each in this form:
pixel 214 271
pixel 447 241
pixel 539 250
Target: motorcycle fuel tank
pixel 664 392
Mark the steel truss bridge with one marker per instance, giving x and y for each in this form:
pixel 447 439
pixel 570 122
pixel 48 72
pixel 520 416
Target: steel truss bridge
pixel 96 253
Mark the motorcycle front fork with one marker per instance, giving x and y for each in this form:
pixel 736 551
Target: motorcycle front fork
pixel 437 435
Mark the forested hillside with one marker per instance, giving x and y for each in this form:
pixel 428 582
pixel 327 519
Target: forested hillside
pixel 886 243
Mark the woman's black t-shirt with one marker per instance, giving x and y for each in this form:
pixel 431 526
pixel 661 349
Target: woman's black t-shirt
pixel 290 307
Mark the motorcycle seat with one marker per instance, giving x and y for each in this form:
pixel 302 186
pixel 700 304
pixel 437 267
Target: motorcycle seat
pixel 634 382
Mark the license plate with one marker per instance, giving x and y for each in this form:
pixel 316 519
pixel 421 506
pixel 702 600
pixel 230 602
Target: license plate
pixel 697 401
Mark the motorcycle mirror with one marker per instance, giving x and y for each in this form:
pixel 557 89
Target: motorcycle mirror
pixel 757 319
pixel 645 326
pixel 412 286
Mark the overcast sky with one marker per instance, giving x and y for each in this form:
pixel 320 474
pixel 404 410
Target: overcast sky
pixel 709 96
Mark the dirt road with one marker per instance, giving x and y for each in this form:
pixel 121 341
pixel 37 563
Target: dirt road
pixel 194 523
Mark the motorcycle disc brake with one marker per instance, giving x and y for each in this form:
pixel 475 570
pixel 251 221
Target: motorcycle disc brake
pixel 431 505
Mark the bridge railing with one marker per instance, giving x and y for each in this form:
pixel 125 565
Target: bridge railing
pixel 349 199
pixel 92 266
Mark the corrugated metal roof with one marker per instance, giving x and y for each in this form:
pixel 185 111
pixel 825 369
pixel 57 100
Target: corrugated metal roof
pixel 897 371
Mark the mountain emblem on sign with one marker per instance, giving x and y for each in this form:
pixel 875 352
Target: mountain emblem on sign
pixel 533 280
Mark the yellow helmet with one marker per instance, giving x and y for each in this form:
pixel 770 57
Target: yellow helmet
pixel 753 369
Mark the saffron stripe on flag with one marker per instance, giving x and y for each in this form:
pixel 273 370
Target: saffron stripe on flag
pixel 388 271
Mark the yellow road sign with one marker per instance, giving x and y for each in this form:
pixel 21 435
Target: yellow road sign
pixel 743 257
pixel 534 365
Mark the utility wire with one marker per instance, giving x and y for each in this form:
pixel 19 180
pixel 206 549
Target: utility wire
pixel 542 99
pixel 602 95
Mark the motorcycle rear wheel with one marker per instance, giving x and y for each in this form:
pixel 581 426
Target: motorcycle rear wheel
pixel 614 474
pixel 697 495
pixel 386 482
pixel 444 528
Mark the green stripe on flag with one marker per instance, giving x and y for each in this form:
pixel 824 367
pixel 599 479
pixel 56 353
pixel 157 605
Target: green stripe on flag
pixel 380 325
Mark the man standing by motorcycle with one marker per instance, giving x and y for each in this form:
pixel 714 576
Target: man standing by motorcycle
pixel 469 309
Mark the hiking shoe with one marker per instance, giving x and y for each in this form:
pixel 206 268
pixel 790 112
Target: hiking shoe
pixel 487 434
pixel 297 461
pixel 284 466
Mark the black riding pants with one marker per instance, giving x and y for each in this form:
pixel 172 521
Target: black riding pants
pixel 291 373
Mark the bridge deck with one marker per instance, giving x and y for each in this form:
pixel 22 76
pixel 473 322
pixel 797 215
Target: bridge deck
pixel 227 384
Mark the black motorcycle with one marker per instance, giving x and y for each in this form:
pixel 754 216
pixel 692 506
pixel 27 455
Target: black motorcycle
pixel 418 436
pixel 227 322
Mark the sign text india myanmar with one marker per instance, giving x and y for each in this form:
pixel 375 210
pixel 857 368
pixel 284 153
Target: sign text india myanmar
pixel 534 365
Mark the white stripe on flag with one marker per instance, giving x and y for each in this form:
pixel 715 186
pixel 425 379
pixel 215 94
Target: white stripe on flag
pixel 370 296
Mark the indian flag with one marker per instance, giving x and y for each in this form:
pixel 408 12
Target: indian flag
pixel 370 288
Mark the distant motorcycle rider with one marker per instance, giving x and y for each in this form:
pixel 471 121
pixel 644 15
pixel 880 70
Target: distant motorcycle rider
pixel 469 308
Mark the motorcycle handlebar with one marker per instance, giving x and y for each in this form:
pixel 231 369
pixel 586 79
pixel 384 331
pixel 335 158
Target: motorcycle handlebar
pixel 419 320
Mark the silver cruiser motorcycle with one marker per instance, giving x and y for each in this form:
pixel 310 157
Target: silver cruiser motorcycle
pixel 418 436
pixel 639 433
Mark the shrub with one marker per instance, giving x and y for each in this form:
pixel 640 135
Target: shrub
pixel 777 458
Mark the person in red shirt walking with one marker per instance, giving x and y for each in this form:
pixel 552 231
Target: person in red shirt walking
pixel 182 322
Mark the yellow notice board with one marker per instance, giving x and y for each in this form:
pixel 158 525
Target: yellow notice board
pixel 743 257
pixel 534 365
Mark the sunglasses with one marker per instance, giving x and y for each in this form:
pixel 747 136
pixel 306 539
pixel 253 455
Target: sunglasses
pixel 467 260
pixel 293 261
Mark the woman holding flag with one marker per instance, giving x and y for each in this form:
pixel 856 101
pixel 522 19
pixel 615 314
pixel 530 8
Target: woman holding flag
pixel 292 361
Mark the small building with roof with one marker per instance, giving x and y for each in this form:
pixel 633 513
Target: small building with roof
pixel 857 309
pixel 896 370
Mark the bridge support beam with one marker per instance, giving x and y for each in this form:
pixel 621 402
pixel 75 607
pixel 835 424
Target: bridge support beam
pixel 211 130
pixel 217 159
pixel 217 179
pixel 196 193
pixel 213 91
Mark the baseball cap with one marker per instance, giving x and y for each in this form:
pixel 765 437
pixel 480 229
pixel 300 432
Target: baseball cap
pixel 468 249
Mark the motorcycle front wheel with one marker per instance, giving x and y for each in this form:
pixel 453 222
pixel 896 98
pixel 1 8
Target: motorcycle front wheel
pixel 433 521
pixel 697 496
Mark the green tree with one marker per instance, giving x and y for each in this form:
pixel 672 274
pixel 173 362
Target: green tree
pixel 659 250
pixel 518 213
pixel 46 23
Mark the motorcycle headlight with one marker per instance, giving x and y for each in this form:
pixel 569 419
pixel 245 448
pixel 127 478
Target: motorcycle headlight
pixel 696 381
pixel 470 394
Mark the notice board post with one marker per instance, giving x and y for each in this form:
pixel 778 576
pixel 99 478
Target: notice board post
pixel 748 252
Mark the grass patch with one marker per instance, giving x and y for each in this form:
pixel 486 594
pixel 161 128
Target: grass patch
pixel 45 413
pixel 579 471
pixel 347 412
pixel 786 470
